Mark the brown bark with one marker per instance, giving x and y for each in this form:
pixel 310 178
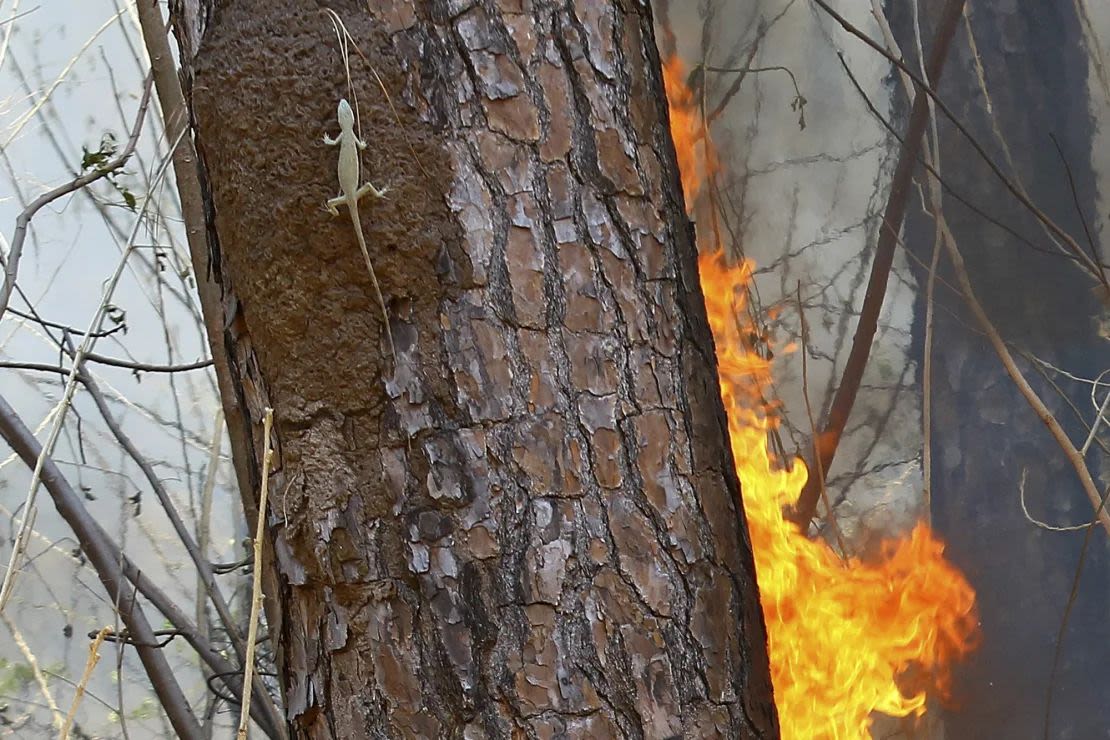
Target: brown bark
pixel 531 525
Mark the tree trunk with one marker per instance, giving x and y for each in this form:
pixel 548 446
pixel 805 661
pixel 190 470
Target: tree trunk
pixel 528 524
pixel 990 448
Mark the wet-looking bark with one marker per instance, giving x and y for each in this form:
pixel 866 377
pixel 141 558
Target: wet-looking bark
pixel 528 525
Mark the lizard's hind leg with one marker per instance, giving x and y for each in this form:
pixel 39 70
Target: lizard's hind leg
pixel 369 188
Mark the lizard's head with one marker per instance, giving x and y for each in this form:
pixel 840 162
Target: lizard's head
pixel 346 115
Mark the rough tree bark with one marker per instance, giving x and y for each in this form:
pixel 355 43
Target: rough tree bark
pixel 529 525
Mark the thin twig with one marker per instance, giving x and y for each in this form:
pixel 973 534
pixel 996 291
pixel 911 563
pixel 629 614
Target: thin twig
pixel 36 671
pixel 733 88
pixel 256 589
pixel 1073 594
pixel 70 682
pixel 87 343
pixel 1070 452
pixel 64 327
pixel 829 513
pixel 1075 197
pixel 996 128
pixel 798 104
pixel 90 664
pixel 1100 414
pixel 1043 372
pixel 1037 522
pixel 203 535
pixel 17 126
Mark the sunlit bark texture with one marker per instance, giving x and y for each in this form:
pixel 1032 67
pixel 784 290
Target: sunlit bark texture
pixel 528 524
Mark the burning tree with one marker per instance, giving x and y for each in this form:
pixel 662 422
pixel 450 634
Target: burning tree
pixel 545 513
pixel 842 630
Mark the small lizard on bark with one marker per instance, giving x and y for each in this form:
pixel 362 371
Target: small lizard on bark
pixel 350 192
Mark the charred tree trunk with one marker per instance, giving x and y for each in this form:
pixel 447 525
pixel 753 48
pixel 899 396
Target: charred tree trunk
pixel 989 446
pixel 527 524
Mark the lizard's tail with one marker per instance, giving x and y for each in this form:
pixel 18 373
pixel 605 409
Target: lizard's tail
pixel 377 291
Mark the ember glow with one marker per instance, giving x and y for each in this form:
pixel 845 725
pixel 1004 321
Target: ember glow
pixel 843 634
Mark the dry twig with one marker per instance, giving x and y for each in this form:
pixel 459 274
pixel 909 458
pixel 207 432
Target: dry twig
pixel 90 664
pixel 256 591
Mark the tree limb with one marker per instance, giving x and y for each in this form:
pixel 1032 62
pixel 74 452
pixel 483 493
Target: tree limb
pixel 826 443
pixel 92 538
pixel 105 562
pixel 23 220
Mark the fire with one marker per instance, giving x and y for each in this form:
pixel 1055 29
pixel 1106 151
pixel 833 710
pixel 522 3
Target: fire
pixel 696 163
pixel 842 632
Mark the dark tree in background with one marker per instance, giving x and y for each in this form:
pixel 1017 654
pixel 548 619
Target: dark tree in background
pixel 986 439
pixel 528 521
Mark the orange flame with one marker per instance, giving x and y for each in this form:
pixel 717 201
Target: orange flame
pixel 695 163
pixel 842 633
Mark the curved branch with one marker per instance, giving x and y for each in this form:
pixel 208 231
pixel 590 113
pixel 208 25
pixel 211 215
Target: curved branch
pixel 147 367
pixel 136 366
pixel 23 220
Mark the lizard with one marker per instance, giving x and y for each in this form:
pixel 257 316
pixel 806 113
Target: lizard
pixel 350 192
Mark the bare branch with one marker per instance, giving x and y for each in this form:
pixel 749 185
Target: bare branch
pixel 105 560
pixel 70 505
pixel 204 568
pixel 36 670
pixel 87 343
pixel 256 588
pixel 825 445
pixel 23 220
pixel 1095 268
pixel 1074 456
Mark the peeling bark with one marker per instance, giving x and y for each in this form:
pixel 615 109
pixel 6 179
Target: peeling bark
pixel 529 525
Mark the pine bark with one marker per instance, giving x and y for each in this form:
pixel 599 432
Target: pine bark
pixel 528 523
